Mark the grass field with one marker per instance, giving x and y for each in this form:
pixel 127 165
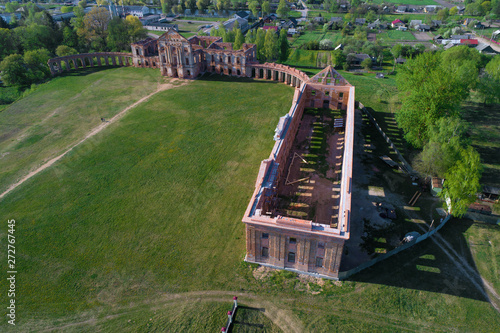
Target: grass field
pixel 57 114
pixel 138 230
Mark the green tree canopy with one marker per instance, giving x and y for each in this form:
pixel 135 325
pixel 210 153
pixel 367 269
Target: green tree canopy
pixel 271 45
pixel 447 137
pixel 284 46
pixel 283 9
pixel 432 87
pixel 239 39
pixel 462 182
pixel 259 41
pixel 13 70
pixel 64 50
pixel 254 7
pixel 266 8
pixel 36 63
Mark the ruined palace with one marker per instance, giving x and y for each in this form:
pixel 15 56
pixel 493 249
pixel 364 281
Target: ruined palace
pixel 298 217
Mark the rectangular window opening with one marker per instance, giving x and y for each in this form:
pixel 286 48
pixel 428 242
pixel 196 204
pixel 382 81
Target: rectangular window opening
pixel 319 262
pixel 265 252
pixel 265 235
pixel 293 240
pixel 291 257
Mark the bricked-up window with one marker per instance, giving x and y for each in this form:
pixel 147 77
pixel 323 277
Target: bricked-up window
pixel 319 262
pixel 291 257
pixel 293 240
pixel 321 245
pixel 341 95
pixel 265 252
pixel 265 235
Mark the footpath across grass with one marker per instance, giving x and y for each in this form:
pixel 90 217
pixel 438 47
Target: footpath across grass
pixel 60 112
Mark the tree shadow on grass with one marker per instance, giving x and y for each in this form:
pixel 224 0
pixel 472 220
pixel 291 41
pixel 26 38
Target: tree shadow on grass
pixel 426 266
pixel 85 71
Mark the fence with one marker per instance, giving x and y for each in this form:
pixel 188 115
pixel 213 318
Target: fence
pixel 230 315
pixel 344 275
pixel 407 166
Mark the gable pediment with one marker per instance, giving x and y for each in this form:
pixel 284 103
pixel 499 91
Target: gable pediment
pixel 172 36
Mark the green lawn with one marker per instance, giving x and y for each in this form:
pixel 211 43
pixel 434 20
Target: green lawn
pixel 58 113
pixel 139 229
pixel 484 240
pixel 300 57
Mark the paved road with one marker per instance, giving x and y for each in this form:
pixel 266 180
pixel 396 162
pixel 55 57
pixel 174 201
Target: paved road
pixel 303 11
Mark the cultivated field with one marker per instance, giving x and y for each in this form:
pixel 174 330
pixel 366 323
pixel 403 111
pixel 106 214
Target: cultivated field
pixel 138 229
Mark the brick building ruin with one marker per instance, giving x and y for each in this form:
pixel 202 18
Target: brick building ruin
pixel 313 242
pixel 280 240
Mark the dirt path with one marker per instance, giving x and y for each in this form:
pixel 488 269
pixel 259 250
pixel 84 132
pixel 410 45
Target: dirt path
pixel 282 318
pixel 483 286
pixel 487 41
pixel 96 130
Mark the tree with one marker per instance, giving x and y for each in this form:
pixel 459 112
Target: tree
pixel 443 14
pixel 259 41
pixel 284 46
pixel 396 51
pixel 36 63
pixel 489 83
pixel 191 4
pixel 271 45
pixel 135 29
pixel 11 7
pixel 338 58
pixel 3 24
pixel 118 38
pixel 95 28
pixel 431 89
pixel 13 71
pixel 66 9
pixel 367 63
pixel 326 44
pixel 254 7
pixel 266 8
pixel 447 137
pixel 250 37
pixel 70 38
pixel 239 39
pixel 462 182
pixel 35 37
pixel 453 11
pixel 283 9
pixel 7 43
pixel 64 50
pixel 82 3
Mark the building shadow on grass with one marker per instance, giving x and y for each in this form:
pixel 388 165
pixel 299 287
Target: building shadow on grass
pixel 427 267
pixel 219 77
